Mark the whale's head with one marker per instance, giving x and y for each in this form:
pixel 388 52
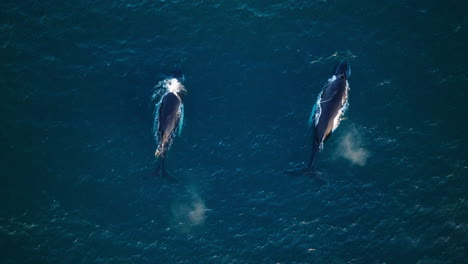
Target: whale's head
pixel 174 84
pixel 343 69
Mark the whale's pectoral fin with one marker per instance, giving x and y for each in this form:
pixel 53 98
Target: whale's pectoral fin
pixel 180 120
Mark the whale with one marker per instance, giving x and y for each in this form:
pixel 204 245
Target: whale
pixel 328 111
pixel 168 117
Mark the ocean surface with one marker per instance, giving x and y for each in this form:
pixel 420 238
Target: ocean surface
pixel 77 153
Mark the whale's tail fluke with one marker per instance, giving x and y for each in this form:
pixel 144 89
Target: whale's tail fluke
pixel 306 171
pixel 309 170
pixel 343 68
pixel 162 172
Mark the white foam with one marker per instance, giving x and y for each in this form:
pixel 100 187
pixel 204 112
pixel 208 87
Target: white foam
pixel 350 148
pixel 190 212
pixel 197 214
pixel 173 85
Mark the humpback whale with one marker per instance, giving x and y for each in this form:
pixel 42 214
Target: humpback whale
pixel 328 111
pixel 168 116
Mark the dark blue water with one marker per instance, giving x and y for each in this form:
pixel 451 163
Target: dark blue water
pixel 77 149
